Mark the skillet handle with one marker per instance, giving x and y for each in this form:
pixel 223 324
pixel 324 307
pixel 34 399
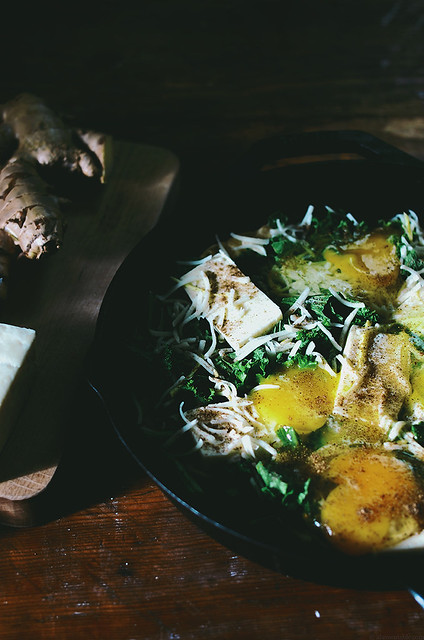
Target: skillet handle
pixel 315 143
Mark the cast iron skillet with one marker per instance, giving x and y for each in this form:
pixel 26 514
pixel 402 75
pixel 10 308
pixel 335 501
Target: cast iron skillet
pixel 348 169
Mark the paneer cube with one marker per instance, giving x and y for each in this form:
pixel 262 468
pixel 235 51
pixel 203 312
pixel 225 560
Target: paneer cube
pixel 238 309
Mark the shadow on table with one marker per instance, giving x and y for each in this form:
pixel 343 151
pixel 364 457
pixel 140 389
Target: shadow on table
pixel 94 466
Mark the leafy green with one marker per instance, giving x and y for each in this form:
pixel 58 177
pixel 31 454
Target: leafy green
pixel 170 363
pixel 239 371
pixel 396 240
pixel 173 361
pixel 283 247
pixel 302 361
pixel 333 227
pixel 318 438
pixel 329 311
pixel 288 437
pixel 290 493
pixel 327 227
pixel 198 387
pixel 366 314
pixel 272 480
pixel 326 308
pixel 247 372
pixel 411 258
pixel 304 493
pixel 323 344
pixel 418 432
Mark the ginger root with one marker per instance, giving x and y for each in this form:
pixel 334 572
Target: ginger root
pixel 42 135
pixel 101 145
pixel 33 137
pixel 29 213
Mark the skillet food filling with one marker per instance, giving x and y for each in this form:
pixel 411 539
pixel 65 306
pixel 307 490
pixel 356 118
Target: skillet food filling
pixel 297 352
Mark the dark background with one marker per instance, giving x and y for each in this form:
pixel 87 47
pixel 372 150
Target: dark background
pixel 206 78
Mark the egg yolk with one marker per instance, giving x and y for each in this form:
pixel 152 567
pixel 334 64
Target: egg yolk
pixel 299 398
pixel 373 504
pixel 370 262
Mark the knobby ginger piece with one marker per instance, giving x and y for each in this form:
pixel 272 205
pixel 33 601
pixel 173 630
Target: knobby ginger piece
pixel 43 135
pixel 29 213
pixel 101 145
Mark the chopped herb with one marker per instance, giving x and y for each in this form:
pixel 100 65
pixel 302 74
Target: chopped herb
pixel 288 437
pixel 273 482
pixel 291 493
pixel 302 361
pixel 247 372
pixel 333 227
pixel 198 387
pixel 411 258
pixel 238 371
pixel 366 314
pixel 418 432
pixel 303 495
pixel 323 344
pixel 317 439
pixel 326 308
pixel 283 247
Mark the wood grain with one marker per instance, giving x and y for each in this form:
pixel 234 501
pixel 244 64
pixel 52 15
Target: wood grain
pixel 60 298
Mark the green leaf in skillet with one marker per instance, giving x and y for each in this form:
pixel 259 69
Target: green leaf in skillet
pixel 288 437
pixel 291 493
pixel 418 432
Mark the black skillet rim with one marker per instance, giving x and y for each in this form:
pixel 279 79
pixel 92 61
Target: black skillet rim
pixel 105 364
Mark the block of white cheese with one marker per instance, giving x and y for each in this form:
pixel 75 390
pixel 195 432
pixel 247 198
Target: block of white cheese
pixel 16 365
pixel 226 296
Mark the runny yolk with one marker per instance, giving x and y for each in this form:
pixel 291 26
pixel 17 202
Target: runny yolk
pixel 369 263
pixel 373 503
pixel 299 398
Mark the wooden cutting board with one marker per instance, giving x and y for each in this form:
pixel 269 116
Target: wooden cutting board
pixel 60 298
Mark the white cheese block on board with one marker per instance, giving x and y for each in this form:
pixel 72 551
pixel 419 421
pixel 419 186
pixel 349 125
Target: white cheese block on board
pixel 238 309
pixel 16 366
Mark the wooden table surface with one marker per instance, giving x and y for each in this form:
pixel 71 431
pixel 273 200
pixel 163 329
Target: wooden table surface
pixel 110 556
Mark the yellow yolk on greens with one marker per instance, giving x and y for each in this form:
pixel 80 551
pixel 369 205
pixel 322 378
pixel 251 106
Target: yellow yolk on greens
pixel 368 263
pixel 374 502
pixel 367 498
pixel 299 398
